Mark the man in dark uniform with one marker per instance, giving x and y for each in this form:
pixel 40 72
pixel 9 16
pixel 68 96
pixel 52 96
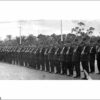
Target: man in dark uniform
pixel 19 55
pixel 51 58
pixel 27 57
pixel 1 53
pixel 69 54
pixel 57 60
pixel 8 54
pixel 5 55
pixel 11 55
pixel 14 55
pixel 24 56
pixel 41 58
pixel 76 60
pixel 98 56
pixel 46 60
pixel 85 59
pixel 92 58
pixel 63 60
pixel 36 58
pixel 31 59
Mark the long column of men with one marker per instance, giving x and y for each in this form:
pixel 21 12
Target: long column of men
pixel 68 60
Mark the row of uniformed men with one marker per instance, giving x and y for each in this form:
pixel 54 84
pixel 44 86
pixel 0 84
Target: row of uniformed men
pixel 56 59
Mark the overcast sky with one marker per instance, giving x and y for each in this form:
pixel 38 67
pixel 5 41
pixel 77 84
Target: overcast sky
pixel 48 16
pixel 46 27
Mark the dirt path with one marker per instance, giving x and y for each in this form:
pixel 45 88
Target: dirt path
pixel 14 72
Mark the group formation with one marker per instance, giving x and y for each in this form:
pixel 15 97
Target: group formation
pixel 62 59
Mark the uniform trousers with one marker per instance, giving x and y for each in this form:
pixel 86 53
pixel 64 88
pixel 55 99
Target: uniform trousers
pixel 64 67
pixel 92 65
pixel 98 65
pixel 76 65
pixel 52 65
pixel 70 67
pixel 58 66
pixel 85 67
pixel 47 65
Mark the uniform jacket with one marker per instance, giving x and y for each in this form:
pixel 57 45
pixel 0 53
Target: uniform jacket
pixel 85 54
pixel 69 54
pixel 76 54
pixel 63 54
pixel 98 53
pixel 92 53
pixel 57 54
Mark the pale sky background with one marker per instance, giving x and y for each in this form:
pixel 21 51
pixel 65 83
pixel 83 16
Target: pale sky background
pixel 14 11
pixel 46 27
pixel 47 17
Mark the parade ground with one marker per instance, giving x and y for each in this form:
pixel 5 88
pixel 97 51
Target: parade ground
pixel 14 72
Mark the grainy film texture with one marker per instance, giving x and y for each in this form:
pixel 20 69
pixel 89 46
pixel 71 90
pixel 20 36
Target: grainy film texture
pixel 50 49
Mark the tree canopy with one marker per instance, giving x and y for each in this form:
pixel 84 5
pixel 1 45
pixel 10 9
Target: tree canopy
pixel 78 34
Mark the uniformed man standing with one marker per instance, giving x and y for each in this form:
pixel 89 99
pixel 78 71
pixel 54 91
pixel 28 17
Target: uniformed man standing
pixel 69 65
pixel 92 59
pixel 37 62
pixel 57 60
pixel 46 60
pixel 98 58
pixel 51 58
pixel 76 60
pixel 63 60
pixel 31 60
pixel 42 64
pixel 85 59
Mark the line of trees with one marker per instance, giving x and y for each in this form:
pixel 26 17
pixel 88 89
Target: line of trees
pixel 77 34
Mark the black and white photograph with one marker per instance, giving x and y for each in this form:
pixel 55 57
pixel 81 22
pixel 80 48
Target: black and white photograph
pixel 48 49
